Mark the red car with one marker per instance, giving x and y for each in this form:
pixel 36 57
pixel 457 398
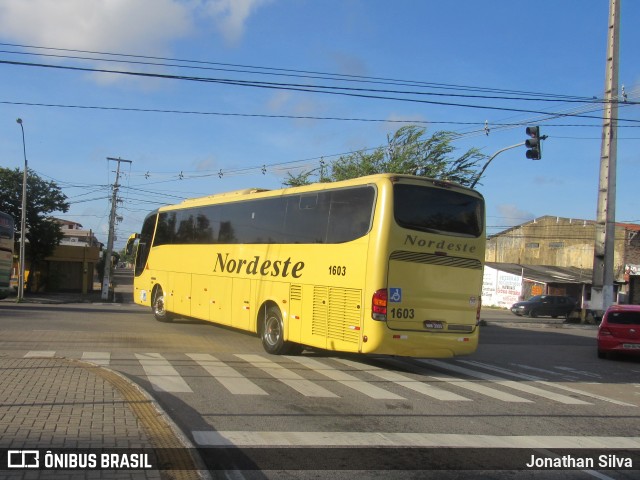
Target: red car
pixel 619 331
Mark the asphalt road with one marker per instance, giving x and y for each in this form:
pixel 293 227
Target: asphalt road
pixel 538 386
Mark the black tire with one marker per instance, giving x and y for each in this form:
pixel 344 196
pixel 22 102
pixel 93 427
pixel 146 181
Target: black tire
pixel 295 348
pixel 602 354
pixel 272 334
pixel 532 313
pixel 158 307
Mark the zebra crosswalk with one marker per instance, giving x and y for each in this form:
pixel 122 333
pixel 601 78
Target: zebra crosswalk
pixel 335 377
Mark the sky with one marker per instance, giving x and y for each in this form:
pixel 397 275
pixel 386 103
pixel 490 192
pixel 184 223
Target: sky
pixel 208 96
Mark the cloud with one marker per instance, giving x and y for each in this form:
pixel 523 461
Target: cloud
pixel 512 215
pixel 278 101
pixel 140 26
pixel 205 164
pixel 393 122
pixel 547 180
pixel 288 103
pixel 230 16
pixel 349 64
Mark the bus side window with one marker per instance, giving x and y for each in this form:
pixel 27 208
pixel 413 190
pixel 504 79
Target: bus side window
pixel 308 202
pixel 205 223
pixel 350 216
pixel 305 220
pixel 165 232
pixel 185 224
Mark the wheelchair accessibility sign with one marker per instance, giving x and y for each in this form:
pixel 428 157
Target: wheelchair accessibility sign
pixel 395 295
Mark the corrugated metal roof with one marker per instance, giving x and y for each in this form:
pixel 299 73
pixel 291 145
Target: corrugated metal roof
pixel 546 273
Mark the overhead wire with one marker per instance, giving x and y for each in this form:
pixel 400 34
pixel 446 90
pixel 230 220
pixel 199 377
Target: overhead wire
pixel 301 88
pixel 185 63
pixel 592 104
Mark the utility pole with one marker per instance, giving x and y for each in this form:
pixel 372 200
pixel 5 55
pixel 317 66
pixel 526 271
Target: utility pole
pixel 112 225
pixel 602 285
pixel 23 219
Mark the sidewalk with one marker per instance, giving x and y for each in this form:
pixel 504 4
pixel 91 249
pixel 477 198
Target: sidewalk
pixel 122 293
pixel 57 403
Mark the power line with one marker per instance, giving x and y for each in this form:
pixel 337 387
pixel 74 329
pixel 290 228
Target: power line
pixel 537 97
pixel 294 117
pixel 199 64
pixel 308 89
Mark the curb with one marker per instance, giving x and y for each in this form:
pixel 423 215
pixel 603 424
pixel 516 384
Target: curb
pixel 178 454
pixel 559 326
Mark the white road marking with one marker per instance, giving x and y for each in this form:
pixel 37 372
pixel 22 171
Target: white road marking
pixel 99 358
pixel 230 378
pixel 347 380
pixel 40 354
pixel 162 376
pixel 481 389
pixel 542 370
pixel 579 372
pixel 523 387
pixel 396 439
pixel 288 377
pixel 407 382
pixel 548 384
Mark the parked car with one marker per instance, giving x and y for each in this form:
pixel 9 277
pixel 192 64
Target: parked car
pixel 619 331
pixel 550 305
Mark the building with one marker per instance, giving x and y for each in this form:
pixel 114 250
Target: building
pixel 72 266
pixel 74 235
pixel 554 255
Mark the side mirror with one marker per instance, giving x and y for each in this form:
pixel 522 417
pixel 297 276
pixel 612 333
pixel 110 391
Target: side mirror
pixel 130 242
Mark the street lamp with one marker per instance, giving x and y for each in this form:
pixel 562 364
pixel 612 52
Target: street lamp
pixel 23 220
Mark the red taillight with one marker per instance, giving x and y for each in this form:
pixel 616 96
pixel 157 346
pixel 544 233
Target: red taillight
pixel 379 305
pixel 604 332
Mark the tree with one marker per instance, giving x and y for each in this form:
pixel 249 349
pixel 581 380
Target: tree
pixel 407 152
pixel 43 198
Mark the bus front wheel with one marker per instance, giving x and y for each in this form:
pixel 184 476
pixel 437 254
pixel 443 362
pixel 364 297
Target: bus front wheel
pixel 158 306
pixel 272 334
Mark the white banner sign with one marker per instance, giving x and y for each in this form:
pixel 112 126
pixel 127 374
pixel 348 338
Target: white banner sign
pixel 500 289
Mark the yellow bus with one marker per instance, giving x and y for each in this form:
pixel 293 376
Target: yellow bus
pixel 385 264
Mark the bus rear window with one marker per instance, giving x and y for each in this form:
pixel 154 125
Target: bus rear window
pixel 436 210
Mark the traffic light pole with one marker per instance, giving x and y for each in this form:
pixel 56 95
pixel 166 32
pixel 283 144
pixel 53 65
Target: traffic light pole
pixel 491 158
pixel 602 292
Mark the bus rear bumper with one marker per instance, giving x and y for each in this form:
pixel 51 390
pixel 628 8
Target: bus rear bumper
pixel 423 345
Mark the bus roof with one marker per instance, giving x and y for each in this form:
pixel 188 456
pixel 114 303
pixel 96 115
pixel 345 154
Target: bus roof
pixel 233 193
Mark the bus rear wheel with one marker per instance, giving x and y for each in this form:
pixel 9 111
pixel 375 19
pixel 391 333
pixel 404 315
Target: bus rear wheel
pixel 272 334
pixel 158 306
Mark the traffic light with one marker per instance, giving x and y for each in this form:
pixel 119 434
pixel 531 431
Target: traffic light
pixel 534 144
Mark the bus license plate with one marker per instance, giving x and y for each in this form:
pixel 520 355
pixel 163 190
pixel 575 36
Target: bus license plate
pixel 432 324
